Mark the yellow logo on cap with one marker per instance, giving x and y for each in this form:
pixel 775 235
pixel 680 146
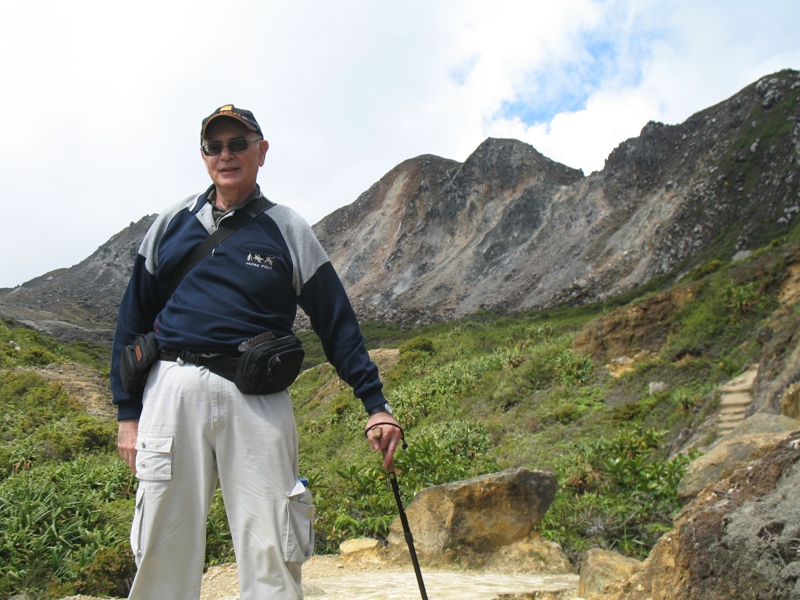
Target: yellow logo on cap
pixel 226 108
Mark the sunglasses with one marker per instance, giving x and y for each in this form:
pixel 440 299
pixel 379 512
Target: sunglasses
pixel 236 145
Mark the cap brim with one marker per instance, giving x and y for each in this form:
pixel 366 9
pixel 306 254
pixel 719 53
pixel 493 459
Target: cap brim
pixel 228 116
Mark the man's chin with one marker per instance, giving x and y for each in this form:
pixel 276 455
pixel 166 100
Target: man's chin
pixel 230 181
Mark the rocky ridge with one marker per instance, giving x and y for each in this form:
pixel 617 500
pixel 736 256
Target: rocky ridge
pixel 509 229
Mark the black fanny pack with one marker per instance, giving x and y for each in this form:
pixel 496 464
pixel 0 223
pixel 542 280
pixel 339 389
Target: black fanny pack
pixel 135 362
pixel 268 365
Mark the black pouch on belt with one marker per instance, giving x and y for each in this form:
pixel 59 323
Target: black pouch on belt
pixel 268 365
pixel 135 362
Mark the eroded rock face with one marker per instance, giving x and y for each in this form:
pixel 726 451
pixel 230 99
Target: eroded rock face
pixel 79 303
pixel 478 516
pixel 737 539
pixel 640 327
pixel 780 358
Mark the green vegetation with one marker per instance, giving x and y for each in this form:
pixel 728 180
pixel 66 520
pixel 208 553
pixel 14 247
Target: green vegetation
pixel 475 395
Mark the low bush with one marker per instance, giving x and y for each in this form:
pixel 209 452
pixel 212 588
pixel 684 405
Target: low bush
pixel 615 493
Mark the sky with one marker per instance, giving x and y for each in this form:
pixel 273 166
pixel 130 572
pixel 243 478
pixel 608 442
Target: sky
pixel 103 100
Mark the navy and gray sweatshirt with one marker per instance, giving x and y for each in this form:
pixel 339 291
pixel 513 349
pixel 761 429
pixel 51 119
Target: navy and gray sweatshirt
pixel 252 282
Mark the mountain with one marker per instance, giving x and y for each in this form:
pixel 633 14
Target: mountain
pixel 510 230
pixel 79 303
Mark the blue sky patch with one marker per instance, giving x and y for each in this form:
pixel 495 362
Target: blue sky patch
pixel 566 86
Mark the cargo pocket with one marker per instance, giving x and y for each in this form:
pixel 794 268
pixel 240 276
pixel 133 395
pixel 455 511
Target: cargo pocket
pixel 300 525
pixel 136 526
pixel 154 457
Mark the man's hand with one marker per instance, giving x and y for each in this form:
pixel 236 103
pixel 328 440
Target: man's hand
pixel 126 441
pixel 384 437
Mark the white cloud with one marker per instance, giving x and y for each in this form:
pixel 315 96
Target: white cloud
pixel 103 100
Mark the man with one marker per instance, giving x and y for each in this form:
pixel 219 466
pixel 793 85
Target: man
pixel 191 427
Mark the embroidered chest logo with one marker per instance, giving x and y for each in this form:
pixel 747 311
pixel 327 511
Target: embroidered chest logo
pixel 259 260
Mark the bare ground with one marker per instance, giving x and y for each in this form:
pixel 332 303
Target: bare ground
pixel 331 578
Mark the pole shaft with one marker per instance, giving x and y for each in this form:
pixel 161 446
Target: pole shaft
pixel 408 536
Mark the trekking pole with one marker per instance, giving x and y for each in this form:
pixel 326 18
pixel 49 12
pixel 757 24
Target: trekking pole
pixel 390 471
pixel 406 529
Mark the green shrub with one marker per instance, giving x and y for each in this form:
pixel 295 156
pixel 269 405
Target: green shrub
pixel 219 542
pixel 417 345
pixel 42 423
pixel 615 493
pixel 741 298
pixel 109 573
pixel 632 410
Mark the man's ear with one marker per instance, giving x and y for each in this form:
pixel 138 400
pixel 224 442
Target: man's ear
pixel 264 147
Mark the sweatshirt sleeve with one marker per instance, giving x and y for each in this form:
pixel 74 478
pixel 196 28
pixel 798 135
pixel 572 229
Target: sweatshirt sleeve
pixel 322 297
pixel 140 305
pixel 325 301
pixel 137 313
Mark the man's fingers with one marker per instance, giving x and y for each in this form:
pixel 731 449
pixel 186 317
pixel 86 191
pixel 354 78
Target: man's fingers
pixel 374 436
pixel 386 439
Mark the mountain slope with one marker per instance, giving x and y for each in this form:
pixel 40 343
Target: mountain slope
pixel 79 303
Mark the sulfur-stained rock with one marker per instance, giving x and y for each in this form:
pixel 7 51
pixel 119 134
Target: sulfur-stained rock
pixel 601 567
pixel 476 516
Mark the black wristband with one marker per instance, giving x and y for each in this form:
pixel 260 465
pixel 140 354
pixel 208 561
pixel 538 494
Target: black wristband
pixel 383 408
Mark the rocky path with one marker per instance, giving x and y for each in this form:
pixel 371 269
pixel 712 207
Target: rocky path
pixel 330 578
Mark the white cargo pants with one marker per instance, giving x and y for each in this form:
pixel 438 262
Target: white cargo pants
pixel 197 427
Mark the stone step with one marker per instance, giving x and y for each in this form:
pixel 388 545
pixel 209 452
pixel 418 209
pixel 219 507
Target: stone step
pixel 731 418
pixel 728 388
pixel 741 383
pixel 736 399
pixel 734 410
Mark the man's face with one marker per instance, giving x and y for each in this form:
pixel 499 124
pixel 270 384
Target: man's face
pixel 234 173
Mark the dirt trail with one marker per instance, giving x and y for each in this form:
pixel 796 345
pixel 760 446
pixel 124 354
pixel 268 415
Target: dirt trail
pixel 330 578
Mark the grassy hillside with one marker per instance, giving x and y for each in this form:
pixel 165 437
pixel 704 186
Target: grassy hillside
pixel 475 395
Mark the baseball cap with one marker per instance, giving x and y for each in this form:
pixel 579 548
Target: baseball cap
pixel 245 117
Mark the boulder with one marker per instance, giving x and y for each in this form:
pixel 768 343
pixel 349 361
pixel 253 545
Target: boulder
pixel 468 519
pixel 749 440
pixel 358 545
pixel 601 567
pixel 723 460
pixel 790 401
pixel 532 554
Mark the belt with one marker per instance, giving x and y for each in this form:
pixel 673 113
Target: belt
pixel 223 365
